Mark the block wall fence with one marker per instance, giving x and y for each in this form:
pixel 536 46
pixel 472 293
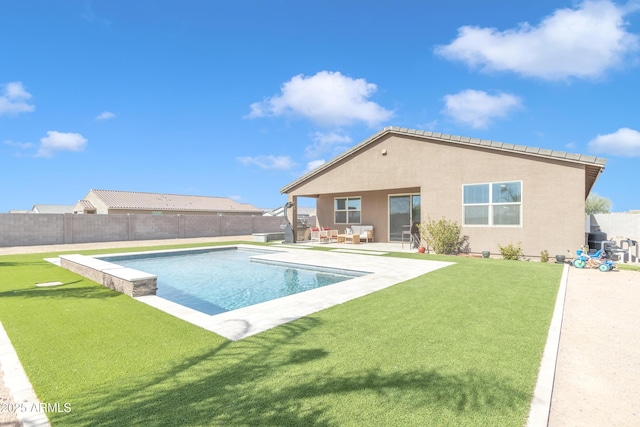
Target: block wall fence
pixel 17 229
pixel 618 225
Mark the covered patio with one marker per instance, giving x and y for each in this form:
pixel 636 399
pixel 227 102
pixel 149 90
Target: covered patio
pixel 373 248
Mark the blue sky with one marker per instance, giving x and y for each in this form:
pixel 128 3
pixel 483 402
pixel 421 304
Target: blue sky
pixel 239 98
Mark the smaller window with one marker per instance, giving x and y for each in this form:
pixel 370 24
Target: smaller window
pixel 347 210
pixel 476 215
pixel 506 192
pixel 474 194
pixel 476 204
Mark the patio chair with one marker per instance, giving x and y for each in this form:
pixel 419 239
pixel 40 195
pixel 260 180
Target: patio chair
pixel 333 235
pixel 320 235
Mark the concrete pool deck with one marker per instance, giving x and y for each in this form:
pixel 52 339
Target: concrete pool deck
pixel 237 324
pixel 596 375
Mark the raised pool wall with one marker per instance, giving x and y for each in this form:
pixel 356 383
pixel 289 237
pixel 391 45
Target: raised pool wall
pixel 121 279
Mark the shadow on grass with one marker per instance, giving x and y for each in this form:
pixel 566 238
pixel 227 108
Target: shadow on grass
pixel 21 264
pixel 60 292
pixel 268 381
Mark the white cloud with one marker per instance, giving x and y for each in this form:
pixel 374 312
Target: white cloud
pixel 22 145
pixel 268 162
pixel 313 164
pixel 477 108
pixel 15 99
pixel 60 141
pixel 624 142
pixel 583 42
pixel 332 142
pixel 105 115
pixel 327 98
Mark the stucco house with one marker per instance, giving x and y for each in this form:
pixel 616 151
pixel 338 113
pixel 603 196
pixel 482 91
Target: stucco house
pixel 500 193
pixel 133 202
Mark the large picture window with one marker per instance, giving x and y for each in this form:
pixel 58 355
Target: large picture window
pixel 493 204
pixel 347 210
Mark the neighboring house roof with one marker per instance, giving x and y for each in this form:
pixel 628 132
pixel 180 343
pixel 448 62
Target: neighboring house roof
pixel 302 210
pixel 52 208
pixel 593 165
pixel 134 200
pixel 85 204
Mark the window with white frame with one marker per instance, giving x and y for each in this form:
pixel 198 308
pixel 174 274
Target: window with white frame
pixel 493 204
pixel 347 210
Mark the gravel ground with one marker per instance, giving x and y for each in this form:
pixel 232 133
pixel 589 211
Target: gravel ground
pixel 597 380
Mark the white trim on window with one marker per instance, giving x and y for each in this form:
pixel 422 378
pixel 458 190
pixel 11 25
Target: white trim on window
pixel 347 210
pixel 483 206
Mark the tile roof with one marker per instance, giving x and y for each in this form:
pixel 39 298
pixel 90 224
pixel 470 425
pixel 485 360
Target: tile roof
pixel 85 204
pixel 53 208
pixel 593 165
pixel 115 199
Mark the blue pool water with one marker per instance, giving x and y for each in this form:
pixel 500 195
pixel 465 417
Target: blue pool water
pixel 220 280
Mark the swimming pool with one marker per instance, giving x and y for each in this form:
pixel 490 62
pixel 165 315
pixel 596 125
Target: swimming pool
pixel 219 280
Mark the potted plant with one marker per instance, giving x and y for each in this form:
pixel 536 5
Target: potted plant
pixel 560 259
pixel 486 254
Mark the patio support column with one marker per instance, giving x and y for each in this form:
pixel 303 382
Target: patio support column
pixel 292 215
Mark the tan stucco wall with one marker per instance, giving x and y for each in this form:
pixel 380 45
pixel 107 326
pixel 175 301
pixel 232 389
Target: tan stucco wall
pixel 552 191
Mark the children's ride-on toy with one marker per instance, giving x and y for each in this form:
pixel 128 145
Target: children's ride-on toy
pixel 596 260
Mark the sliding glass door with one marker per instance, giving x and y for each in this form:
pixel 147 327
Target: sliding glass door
pixel 403 210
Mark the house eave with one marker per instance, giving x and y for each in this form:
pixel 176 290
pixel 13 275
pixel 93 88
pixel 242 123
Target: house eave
pixel 593 165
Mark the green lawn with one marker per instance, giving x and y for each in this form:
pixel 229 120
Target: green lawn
pixel 460 346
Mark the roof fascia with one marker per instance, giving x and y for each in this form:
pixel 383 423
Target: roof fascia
pixel 541 153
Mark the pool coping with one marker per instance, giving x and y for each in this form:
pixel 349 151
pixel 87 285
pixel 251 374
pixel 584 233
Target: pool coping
pixel 381 272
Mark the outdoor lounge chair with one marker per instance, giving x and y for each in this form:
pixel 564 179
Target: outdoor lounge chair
pixel 364 231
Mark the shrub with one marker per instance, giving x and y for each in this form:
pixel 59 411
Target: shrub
pixel 442 236
pixel 510 251
pixel 544 256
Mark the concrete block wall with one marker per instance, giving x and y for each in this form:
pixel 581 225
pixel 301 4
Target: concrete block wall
pixel 266 224
pixel 49 229
pixel 619 225
pixel 31 229
pixel 158 226
pixel 97 228
pixel 233 225
pixel 196 225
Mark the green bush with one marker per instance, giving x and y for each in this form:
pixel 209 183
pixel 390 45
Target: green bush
pixel 544 256
pixel 510 251
pixel 442 236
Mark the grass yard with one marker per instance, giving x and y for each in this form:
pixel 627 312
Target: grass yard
pixel 457 347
